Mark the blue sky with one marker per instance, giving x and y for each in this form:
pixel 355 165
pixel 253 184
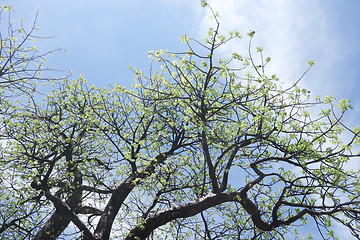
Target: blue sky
pixel 102 38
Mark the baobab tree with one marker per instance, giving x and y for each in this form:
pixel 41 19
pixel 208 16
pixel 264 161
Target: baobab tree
pixel 201 147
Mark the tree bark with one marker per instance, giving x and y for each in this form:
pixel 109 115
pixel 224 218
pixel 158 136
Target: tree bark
pixel 54 226
pixel 107 218
pixel 103 229
pixel 186 210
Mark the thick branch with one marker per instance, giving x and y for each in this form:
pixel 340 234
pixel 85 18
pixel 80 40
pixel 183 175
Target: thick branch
pixel 186 210
pixel 62 207
pixel 53 227
pixel 117 198
pixel 119 195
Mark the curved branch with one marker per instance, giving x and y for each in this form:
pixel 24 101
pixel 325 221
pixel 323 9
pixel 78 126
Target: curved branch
pixel 185 210
pixel 119 195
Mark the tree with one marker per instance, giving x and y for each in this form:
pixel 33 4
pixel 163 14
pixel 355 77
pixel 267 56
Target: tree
pixel 203 147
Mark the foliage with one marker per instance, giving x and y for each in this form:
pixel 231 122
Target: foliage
pixel 20 59
pixel 201 148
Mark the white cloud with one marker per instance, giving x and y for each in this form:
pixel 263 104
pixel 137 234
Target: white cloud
pixel 291 33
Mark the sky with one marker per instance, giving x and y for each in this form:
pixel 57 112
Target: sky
pixel 103 37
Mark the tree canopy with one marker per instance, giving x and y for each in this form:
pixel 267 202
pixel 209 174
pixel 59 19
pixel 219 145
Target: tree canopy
pixel 202 147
